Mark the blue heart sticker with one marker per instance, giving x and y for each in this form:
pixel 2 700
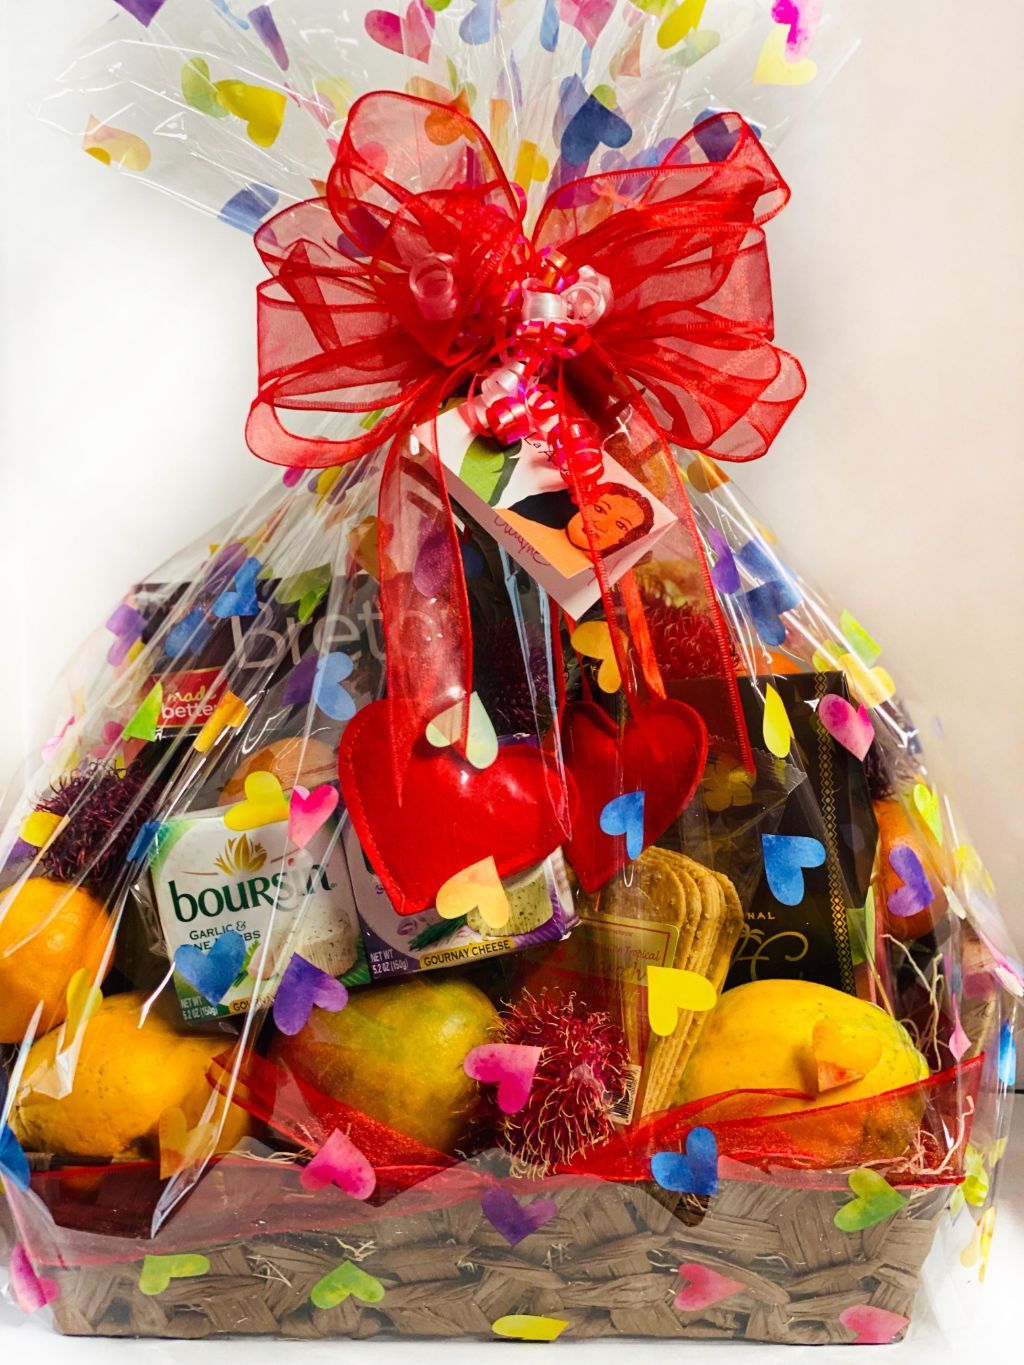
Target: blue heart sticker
pixel 785 858
pixel 212 971
pixel 242 600
pixel 13 1161
pixel 549 26
pixel 625 815
pixel 592 124
pixel 480 24
pixel 1007 1056
pixel 694 1173
pixel 247 209
pixel 328 693
pixel 191 632
pixel 775 593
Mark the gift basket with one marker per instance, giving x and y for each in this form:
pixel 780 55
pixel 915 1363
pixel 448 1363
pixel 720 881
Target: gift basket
pixel 481 888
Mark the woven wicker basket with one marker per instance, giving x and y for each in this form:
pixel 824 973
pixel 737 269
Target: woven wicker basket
pixel 607 1264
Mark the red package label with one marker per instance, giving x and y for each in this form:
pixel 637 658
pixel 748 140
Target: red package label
pixel 189 698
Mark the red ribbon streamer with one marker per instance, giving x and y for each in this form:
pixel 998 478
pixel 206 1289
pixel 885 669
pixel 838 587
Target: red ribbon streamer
pixel 402 286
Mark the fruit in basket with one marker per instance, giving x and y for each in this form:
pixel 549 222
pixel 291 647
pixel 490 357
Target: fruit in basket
pixel 797 1035
pixel 395 1052
pixel 131 1069
pixel 48 932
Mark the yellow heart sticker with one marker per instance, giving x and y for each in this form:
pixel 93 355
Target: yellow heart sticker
pixel 230 712
pixel 528 1327
pixel 40 827
pixel 773 67
pixel 594 639
pixel 84 999
pixel 531 165
pixel 683 20
pixel 481 741
pixel 672 989
pixel 265 804
pixel 926 799
pixel 842 1056
pixel 261 110
pixel 335 94
pixel 477 887
pixel 777 729
pixel 180 1145
pixel 870 686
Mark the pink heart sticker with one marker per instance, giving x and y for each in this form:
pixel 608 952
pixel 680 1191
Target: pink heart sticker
pixel 31 1292
pixel 309 810
pixel 340 1162
pixel 510 1066
pixel 852 729
pixel 703 1286
pixel 873 1326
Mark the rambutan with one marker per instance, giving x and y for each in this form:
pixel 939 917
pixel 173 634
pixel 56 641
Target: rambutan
pixel 581 1076
pixel 105 811
pixel 685 640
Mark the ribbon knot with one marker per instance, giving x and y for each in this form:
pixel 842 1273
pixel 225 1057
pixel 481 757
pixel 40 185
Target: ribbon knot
pixel 634 315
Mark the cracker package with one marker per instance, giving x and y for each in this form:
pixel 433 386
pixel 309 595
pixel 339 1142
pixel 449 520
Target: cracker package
pixel 481 889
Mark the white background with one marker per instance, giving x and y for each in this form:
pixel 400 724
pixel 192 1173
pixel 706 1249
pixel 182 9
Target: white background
pixel 127 363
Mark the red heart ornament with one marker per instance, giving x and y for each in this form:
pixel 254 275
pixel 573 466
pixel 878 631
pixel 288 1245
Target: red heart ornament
pixel 451 814
pixel 661 751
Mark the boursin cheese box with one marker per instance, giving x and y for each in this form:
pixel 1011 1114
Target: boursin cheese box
pixel 208 879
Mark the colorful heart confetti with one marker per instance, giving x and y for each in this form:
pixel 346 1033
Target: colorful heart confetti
pixel 247 207
pixel 262 20
pixel 83 1000
pixel 340 1162
pixel 724 572
pixel 40 827
pixel 126 625
pixel 346 1280
pixel 265 804
pixel 302 987
pixel 926 802
pixel 872 1326
pixel 230 713
pixel 774 67
pixel 594 639
pixel 115 147
pixel 916 892
pixel 143 10
pixel 513 1219
pixel 786 856
pixel 212 971
pixel 529 1327
pixel 1007 1056
pixel 696 1172
pixel 509 1066
pixel 240 599
pixel 477 887
pixel 672 989
pixel 13 1161
pixel 180 1145
pixel 842 1055
pixel 260 109
pixel 158 1272
pixel 30 1291
pixel 849 727
pixel 625 815
pixel 777 728
pixel 309 811
pixel 482 740
pixel 143 724
pixel 703 1287
pixel 803 17
pixel 875 1201
pixel 327 691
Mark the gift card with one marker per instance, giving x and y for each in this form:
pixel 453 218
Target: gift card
pixel 517 493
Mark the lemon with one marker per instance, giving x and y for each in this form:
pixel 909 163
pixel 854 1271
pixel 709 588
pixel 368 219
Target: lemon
pixel 129 1071
pixel 48 931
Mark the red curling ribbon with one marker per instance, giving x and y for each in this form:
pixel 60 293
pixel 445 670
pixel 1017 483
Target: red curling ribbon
pixel 636 315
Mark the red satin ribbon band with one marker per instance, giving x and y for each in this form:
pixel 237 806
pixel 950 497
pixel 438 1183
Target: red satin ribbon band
pixel 414 279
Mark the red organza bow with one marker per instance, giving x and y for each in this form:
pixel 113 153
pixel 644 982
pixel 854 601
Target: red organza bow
pixel 404 285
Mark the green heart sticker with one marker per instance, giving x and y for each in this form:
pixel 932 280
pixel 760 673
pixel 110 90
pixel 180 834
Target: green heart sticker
pixel 158 1272
pixel 876 1200
pixel 346 1279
